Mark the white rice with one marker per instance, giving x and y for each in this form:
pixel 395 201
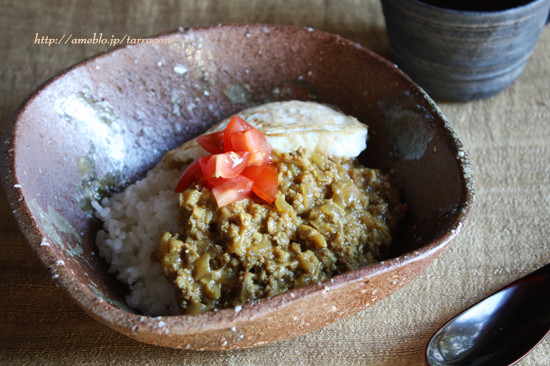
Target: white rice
pixel 133 222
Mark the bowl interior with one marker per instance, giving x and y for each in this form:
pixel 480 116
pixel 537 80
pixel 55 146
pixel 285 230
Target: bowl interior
pixel 104 123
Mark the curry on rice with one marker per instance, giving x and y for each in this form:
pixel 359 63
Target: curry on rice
pixel 329 215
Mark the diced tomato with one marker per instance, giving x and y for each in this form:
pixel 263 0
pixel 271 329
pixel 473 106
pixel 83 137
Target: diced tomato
pixel 236 124
pixel 212 142
pixel 248 140
pixel 238 166
pixel 232 190
pixel 191 174
pixel 266 180
pixel 259 157
pixel 254 141
pixel 226 165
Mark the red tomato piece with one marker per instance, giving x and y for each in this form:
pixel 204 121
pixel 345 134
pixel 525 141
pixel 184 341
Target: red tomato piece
pixel 190 174
pixel 236 124
pixel 259 157
pixel 232 190
pixel 254 141
pixel 226 165
pixel 212 142
pixel 266 180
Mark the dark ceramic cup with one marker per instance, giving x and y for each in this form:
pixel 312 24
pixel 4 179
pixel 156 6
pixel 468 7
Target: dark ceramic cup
pixel 464 49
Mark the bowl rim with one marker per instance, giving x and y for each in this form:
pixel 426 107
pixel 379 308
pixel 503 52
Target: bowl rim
pixel 124 321
pixel 475 14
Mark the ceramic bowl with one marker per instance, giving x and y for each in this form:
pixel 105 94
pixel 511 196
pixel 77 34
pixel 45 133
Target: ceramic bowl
pixel 105 122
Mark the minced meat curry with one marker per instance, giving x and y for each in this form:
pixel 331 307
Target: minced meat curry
pixel 330 215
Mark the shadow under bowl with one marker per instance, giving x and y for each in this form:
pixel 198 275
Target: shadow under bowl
pixel 102 124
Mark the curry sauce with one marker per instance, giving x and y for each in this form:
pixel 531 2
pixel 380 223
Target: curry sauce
pixel 330 215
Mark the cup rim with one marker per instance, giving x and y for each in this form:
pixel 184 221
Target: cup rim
pixel 531 3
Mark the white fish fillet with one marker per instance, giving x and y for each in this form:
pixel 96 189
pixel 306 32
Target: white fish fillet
pixel 288 126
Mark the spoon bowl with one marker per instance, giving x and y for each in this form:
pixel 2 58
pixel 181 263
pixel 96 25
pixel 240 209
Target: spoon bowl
pixel 498 330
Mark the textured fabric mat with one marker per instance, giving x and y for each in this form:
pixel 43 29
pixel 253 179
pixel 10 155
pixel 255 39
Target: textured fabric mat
pixel 507 138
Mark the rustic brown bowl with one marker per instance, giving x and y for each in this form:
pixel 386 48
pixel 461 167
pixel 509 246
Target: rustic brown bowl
pixel 106 121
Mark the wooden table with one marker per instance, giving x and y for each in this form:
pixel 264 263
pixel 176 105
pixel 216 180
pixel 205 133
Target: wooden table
pixel 507 137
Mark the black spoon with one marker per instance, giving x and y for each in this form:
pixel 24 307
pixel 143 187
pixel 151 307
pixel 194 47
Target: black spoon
pixel 498 330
